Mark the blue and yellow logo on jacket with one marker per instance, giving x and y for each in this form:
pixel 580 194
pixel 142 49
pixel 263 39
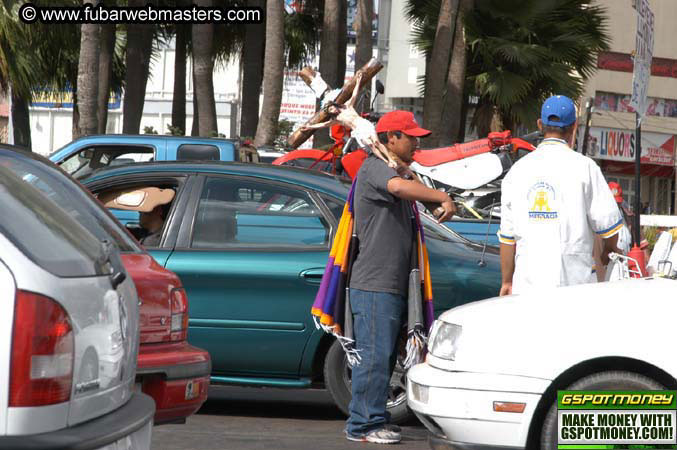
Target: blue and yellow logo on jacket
pixel 542 201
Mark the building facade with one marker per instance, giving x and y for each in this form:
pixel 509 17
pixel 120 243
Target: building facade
pixel 51 114
pixel 612 133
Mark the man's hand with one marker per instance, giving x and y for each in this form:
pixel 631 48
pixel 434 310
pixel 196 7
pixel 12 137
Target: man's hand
pixel 449 210
pixel 506 289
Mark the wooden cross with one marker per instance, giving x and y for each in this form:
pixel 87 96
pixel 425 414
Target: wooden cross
pixel 370 69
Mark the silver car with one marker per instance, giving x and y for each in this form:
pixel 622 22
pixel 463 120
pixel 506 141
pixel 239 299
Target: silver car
pixel 69 332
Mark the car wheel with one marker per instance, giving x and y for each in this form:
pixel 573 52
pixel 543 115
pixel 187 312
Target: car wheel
pixel 602 381
pixel 337 375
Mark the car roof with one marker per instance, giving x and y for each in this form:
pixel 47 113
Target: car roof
pixel 150 137
pixel 309 178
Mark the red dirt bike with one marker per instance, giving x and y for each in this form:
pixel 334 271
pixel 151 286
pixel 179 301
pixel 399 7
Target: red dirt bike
pixel 458 169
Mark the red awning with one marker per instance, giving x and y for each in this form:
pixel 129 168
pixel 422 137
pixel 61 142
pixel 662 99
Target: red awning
pixel 628 168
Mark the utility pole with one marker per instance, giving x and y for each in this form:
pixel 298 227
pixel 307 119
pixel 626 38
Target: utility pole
pixel 586 133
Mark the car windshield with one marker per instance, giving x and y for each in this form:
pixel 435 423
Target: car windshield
pixel 72 198
pixel 45 233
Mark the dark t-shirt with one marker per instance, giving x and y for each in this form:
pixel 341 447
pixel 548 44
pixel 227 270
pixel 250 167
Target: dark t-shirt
pixel 151 239
pixel 384 228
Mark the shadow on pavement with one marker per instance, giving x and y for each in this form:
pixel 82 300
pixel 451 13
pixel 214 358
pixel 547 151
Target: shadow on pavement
pixel 272 403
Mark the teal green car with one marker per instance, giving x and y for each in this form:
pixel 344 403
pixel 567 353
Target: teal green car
pixel 250 243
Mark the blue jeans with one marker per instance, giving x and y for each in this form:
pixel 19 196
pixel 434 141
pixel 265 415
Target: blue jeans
pixel 377 318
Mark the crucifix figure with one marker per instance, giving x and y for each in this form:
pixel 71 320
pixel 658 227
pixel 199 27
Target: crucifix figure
pixel 361 129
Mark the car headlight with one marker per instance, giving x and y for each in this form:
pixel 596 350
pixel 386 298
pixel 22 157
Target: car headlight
pixel 444 340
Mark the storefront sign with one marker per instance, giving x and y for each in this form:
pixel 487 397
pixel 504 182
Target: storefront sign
pixel 619 145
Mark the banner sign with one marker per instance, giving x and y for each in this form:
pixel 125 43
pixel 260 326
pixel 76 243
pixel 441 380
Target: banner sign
pixel 48 98
pixel 619 145
pixel 616 419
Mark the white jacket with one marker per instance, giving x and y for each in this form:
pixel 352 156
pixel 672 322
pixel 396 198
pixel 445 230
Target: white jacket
pixel 552 201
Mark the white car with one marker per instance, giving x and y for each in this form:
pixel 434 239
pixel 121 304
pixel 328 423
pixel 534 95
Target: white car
pixel 494 367
pixel 69 332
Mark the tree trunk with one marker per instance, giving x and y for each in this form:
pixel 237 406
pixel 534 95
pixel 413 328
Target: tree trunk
pixel 496 123
pixel 330 42
pixel 75 122
pixel 273 73
pixel 252 74
pixel 195 128
pixel 464 117
pixel 179 94
pixel 436 71
pixel 105 74
pixel 137 61
pixel 88 79
pixel 21 124
pixel 364 43
pixel 343 44
pixel 450 130
pixel 203 70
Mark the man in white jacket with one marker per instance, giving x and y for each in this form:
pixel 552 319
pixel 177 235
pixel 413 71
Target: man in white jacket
pixel 553 203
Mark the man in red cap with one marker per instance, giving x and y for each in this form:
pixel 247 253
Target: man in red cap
pixel 379 277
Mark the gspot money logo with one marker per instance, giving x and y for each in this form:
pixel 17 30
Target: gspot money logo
pixel 617 419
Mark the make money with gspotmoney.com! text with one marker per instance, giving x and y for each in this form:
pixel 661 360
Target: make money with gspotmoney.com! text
pixel 30 13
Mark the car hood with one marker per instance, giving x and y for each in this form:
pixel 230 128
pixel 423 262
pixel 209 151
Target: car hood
pixel 546 331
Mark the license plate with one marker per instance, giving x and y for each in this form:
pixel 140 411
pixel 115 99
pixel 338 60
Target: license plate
pixel 192 389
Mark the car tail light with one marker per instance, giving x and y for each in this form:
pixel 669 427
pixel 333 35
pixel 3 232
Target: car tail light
pixel 179 328
pixel 41 370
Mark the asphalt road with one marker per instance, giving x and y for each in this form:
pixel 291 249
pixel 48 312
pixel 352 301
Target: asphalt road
pixel 259 418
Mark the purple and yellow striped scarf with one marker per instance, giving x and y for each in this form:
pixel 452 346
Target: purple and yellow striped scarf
pixel 331 308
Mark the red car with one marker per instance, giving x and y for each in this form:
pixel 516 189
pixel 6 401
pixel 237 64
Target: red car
pixel 170 370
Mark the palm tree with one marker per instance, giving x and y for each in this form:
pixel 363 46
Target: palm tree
pixel 106 58
pixel 137 63
pixel 252 73
pixel 203 70
pixel 35 56
pixel 88 79
pixel 273 72
pixel 455 83
pixel 520 52
pixel 436 70
pixel 364 42
pixel 16 74
pixel 330 52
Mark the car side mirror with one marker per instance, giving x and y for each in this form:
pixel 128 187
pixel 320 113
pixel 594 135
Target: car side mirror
pixel 379 87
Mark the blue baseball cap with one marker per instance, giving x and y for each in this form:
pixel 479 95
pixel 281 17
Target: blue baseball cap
pixel 563 110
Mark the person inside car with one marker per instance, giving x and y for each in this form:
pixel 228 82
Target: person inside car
pixel 151 202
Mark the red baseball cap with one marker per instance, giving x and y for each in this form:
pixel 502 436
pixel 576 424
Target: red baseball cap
pixel 400 121
pixel 617 191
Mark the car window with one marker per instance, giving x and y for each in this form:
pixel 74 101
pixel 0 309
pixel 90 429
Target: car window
pixel 85 161
pixel 234 212
pixel 45 233
pixel 335 206
pixel 73 199
pixel 199 152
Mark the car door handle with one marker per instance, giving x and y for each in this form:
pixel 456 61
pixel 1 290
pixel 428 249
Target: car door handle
pixel 312 276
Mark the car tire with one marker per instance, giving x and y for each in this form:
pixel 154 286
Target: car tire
pixel 602 381
pixel 337 381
